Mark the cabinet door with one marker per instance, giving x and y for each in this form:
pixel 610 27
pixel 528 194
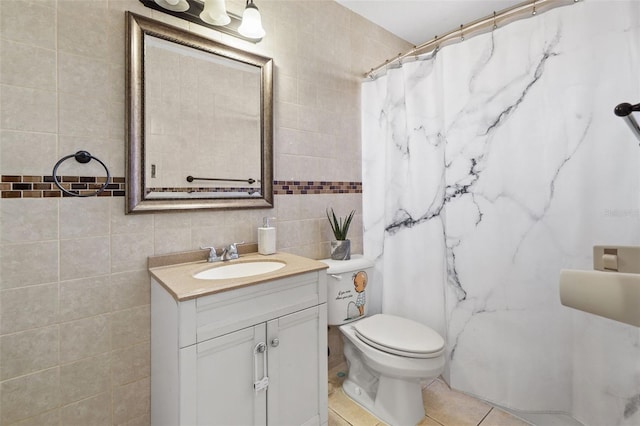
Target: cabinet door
pixel 297 393
pixel 224 377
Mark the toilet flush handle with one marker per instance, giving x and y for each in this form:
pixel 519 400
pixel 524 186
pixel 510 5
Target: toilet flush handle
pixel 337 277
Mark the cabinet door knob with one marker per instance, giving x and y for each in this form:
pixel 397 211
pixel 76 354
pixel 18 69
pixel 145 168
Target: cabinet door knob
pixel 275 342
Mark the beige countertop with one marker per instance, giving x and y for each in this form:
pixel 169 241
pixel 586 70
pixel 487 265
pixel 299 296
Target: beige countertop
pixel 177 278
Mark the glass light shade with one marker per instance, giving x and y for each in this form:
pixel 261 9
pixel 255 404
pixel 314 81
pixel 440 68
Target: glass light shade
pixel 251 26
pixel 173 5
pixel 215 13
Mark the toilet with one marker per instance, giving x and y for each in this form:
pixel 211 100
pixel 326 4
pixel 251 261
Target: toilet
pixel 389 357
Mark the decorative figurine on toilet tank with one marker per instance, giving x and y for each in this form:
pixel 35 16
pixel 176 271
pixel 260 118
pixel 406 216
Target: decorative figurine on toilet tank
pixel 341 246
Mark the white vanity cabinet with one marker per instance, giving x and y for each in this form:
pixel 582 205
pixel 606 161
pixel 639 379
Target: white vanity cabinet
pixel 255 355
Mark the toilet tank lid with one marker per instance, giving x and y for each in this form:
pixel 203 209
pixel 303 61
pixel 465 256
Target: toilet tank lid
pixel 356 262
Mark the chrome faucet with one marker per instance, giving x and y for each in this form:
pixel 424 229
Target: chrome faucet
pixel 213 256
pixel 230 252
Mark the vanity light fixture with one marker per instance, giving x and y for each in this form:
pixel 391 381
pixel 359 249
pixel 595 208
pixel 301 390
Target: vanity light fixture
pixel 213 14
pixel 251 22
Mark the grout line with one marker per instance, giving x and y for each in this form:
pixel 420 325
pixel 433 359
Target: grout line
pixel 336 413
pixel 23 420
pixel 434 420
pixel 485 416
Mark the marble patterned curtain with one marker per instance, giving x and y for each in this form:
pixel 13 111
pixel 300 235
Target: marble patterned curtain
pixel 403 169
pixel 489 167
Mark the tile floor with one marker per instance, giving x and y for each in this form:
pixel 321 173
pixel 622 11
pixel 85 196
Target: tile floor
pixel 444 407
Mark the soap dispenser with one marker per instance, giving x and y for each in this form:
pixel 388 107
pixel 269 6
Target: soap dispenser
pixel 267 237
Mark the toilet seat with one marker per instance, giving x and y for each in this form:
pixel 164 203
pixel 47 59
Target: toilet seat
pixel 399 336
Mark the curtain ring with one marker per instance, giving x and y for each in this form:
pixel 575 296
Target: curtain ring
pixel 495 26
pixel 534 8
pixel 82 157
pixel 461 33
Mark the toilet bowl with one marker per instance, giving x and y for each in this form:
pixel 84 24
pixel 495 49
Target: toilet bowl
pixel 389 357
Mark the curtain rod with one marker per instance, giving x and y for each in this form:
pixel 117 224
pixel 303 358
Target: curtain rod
pixel 473 28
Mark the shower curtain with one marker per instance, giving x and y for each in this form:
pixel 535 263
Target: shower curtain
pixel 487 168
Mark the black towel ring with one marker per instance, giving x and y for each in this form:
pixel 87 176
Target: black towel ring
pixel 81 157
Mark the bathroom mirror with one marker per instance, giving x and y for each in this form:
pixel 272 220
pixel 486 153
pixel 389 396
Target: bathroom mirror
pixel 199 119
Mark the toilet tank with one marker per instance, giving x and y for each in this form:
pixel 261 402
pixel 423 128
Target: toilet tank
pixel 347 284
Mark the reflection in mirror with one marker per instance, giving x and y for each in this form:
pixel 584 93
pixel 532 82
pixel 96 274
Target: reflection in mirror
pixel 213 115
pixel 200 122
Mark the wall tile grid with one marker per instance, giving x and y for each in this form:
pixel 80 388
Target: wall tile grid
pixel 74 291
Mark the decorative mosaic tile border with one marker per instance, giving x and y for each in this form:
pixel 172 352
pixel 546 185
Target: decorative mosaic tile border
pixel 27 186
pixel 16 186
pixel 202 189
pixel 295 187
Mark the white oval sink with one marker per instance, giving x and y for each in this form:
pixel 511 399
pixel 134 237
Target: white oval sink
pixel 239 270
